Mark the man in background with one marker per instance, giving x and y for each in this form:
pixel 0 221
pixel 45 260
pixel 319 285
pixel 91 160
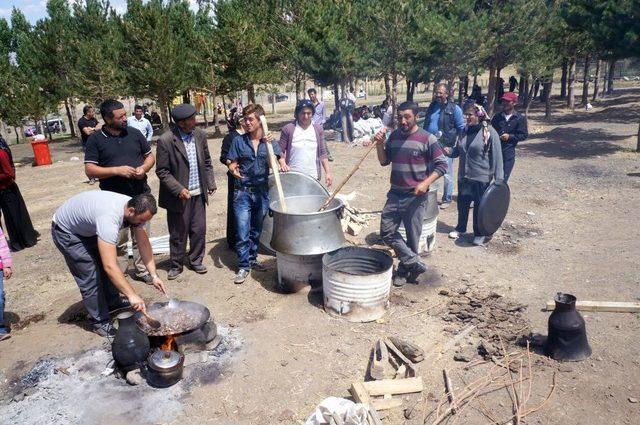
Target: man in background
pixel 139 122
pixel 444 117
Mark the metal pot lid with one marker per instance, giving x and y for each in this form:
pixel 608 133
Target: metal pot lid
pixel 493 208
pixel 164 359
pixel 293 184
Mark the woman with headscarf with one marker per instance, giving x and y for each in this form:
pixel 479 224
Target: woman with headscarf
pixel 480 163
pixel 235 125
pixel 16 217
pixel 303 146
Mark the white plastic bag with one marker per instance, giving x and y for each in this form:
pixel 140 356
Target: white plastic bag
pixel 351 413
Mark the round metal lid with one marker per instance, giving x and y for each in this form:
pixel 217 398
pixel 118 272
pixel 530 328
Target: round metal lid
pixel 493 208
pixel 293 184
pixel 164 359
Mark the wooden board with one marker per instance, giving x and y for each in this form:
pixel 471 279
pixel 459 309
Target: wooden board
pixel 386 403
pixel 359 393
pixel 602 306
pixel 394 386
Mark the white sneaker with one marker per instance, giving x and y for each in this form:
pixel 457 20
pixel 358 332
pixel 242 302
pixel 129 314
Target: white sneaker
pixel 478 241
pixel 454 235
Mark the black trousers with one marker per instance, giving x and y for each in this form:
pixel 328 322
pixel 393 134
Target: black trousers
pixel 469 191
pixel 16 219
pixel 232 235
pixel 83 259
pixel 190 222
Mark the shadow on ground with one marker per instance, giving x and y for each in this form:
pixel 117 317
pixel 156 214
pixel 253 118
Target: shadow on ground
pixel 572 143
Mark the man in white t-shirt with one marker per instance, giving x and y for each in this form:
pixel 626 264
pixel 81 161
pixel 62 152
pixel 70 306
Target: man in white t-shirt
pixel 302 143
pixel 85 229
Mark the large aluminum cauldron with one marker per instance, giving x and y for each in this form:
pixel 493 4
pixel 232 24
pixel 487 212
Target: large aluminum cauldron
pixel 293 184
pixel 302 230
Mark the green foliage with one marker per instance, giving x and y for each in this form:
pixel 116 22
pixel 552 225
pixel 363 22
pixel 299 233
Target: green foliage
pixel 612 26
pixel 98 46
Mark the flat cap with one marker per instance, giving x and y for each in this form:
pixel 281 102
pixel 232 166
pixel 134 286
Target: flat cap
pixel 183 111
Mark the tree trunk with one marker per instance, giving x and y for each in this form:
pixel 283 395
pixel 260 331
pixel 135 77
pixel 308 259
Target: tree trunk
pixel 491 93
pixel 475 79
pixel 394 95
pixel 596 82
pixel 164 111
pixel 466 85
pixel 273 103
pixel 585 82
pixel 563 79
pixel 336 96
pixel 297 83
pixel 498 88
pixel 251 93
pixel 72 126
pixel 343 117
pixel 521 87
pixel 571 101
pixel 387 88
pixel 526 85
pixel 547 101
pixel 366 88
pixel 460 90
pixel 409 95
pixel 612 68
pixel 224 109
pixel 530 94
pixel 204 112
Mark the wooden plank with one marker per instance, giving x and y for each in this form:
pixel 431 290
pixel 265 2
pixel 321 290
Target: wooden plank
pixel 386 403
pixel 373 416
pixel 602 306
pixel 359 393
pixel 394 386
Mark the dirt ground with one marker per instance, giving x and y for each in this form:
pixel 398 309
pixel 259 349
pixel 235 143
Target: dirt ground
pixel 572 227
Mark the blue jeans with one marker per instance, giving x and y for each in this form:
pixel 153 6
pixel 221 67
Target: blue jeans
pixel 2 328
pixel 447 195
pixel 249 207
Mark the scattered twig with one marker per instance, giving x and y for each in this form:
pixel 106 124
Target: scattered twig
pixel 449 388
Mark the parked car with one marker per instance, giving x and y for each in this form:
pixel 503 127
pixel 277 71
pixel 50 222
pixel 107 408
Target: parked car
pixel 56 125
pixel 361 94
pixel 279 97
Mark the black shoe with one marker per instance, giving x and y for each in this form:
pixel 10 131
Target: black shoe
pixel 105 329
pixel 416 270
pixel 146 278
pixel 119 305
pixel 399 281
pixel 258 267
pixel 198 268
pixel 173 274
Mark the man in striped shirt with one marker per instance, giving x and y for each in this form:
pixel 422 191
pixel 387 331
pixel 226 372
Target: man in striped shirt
pixel 417 160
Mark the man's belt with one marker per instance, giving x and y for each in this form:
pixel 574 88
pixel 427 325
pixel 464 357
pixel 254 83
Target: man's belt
pixel 251 189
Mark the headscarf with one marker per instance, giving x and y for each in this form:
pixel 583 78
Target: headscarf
pixel 304 103
pixel 5 147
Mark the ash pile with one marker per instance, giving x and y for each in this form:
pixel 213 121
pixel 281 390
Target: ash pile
pixel 496 320
pixel 50 390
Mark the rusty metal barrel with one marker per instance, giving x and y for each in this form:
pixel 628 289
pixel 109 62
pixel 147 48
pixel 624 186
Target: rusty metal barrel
pixel 356 283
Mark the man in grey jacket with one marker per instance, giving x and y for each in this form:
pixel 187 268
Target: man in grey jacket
pixel 185 171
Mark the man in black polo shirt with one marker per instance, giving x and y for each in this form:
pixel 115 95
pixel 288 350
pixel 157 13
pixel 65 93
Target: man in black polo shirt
pixel 87 124
pixel 120 157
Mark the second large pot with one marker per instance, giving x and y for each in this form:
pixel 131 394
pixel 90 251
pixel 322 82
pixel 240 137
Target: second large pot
pixel 302 230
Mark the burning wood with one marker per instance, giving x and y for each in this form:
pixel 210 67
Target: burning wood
pixel 169 344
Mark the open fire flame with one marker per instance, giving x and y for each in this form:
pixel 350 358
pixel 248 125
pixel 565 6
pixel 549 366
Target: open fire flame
pixel 169 343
